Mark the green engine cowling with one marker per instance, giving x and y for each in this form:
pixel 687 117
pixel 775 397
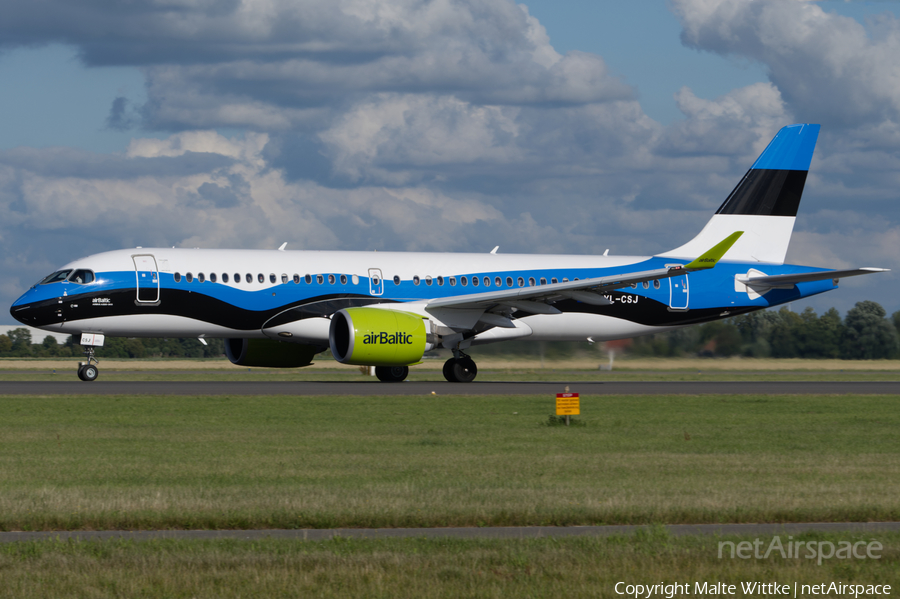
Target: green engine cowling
pixel 375 337
pixel 268 353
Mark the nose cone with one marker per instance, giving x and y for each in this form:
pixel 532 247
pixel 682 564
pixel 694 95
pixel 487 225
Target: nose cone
pixel 26 309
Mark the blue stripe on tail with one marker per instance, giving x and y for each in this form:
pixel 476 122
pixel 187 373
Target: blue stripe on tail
pixel 792 149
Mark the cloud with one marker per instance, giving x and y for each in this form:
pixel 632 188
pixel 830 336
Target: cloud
pixel 272 64
pixel 828 68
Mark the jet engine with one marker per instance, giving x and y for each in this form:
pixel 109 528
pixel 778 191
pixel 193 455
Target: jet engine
pixel 267 353
pixel 375 337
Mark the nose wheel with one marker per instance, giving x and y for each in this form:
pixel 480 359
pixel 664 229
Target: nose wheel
pixel 461 369
pixel 88 371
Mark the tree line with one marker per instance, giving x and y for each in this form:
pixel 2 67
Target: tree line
pixel 18 343
pixel 865 333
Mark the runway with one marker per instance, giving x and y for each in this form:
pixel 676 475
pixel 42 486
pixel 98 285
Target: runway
pixel 502 532
pixel 374 388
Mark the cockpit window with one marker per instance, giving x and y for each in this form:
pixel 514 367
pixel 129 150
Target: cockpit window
pixel 82 277
pixel 59 275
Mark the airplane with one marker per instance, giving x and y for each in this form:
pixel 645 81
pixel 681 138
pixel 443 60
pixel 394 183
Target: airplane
pixel 278 308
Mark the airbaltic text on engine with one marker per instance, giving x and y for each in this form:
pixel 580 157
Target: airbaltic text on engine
pixel 385 338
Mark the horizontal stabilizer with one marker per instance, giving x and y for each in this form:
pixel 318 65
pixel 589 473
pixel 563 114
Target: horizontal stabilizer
pixel 804 277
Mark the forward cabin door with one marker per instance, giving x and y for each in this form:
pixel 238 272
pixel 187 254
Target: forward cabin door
pixel 679 292
pixel 376 282
pixel 147 275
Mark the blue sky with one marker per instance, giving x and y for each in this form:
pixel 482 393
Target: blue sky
pixel 445 125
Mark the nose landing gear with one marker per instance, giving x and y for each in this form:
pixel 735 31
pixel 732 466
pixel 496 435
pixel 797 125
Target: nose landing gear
pixel 88 371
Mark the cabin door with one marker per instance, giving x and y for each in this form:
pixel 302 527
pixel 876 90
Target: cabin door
pixel 147 276
pixel 678 292
pixel 376 282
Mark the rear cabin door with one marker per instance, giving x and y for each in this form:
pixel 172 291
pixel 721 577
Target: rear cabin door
pixel 147 275
pixel 679 292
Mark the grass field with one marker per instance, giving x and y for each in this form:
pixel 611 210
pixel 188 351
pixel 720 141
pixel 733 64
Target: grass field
pixel 106 462
pixel 421 568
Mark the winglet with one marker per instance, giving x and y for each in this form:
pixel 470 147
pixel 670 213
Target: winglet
pixel 711 257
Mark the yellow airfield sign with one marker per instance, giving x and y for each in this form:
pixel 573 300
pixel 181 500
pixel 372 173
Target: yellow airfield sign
pixel 568 404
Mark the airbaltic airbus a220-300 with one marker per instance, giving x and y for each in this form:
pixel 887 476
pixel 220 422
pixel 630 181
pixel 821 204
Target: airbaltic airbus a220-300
pixel 280 308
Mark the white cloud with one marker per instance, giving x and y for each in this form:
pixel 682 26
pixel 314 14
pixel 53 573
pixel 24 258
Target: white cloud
pixel 829 68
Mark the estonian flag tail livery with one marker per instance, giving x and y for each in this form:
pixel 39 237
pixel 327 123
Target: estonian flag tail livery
pixel 764 204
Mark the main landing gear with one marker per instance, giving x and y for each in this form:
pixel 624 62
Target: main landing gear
pixel 86 371
pixel 460 369
pixel 392 374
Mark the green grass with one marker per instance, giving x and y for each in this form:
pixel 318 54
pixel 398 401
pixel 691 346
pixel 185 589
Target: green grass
pixel 420 568
pixel 107 462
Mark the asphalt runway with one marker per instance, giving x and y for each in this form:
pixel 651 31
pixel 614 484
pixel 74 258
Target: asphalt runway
pixel 100 387
pixel 502 532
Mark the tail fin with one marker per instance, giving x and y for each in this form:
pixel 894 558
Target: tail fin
pixel 764 204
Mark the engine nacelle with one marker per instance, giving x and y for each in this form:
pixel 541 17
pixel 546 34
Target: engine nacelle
pixel 375 337
pixel 267 353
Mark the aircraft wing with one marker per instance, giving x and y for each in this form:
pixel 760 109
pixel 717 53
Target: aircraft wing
pixel 788 281
pixel 494 307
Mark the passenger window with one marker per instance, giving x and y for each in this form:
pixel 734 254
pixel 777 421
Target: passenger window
pixel 343 279
pixel 453 281
pixel 464 281
pixel 177 277
pixel 189 277
pixel 531 281
pixel 261 278
pixel 416 280
pixel 237 277
pixel 331 279
pixel 201 277
pixel 498 282
pixel 634 285
pixel 249 278
pixel 355 279
pixel 509 281
pixel 308 279
pixel 520 281
pixel 212 277
pixel 284 278
pixel 487 281
pixel 474 281
pixel 646 284
pixel 440 281
pixel 296 279
pixel 272 278
pixel 320 279
pixel 224 277
pixel 553 280
pixel 565 280
pixel 543 281
pixel 428 280
pixel 656 284
pixel 396 280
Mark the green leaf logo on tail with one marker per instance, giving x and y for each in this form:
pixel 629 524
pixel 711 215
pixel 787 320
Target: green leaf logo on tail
pixel 711 257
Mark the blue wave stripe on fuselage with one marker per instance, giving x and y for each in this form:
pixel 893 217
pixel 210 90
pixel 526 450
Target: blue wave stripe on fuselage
pixel 707 289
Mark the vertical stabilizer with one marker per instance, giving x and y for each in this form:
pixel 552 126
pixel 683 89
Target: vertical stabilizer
pixel 764 204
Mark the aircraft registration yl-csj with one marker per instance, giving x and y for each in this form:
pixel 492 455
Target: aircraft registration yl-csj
pixel 280 308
